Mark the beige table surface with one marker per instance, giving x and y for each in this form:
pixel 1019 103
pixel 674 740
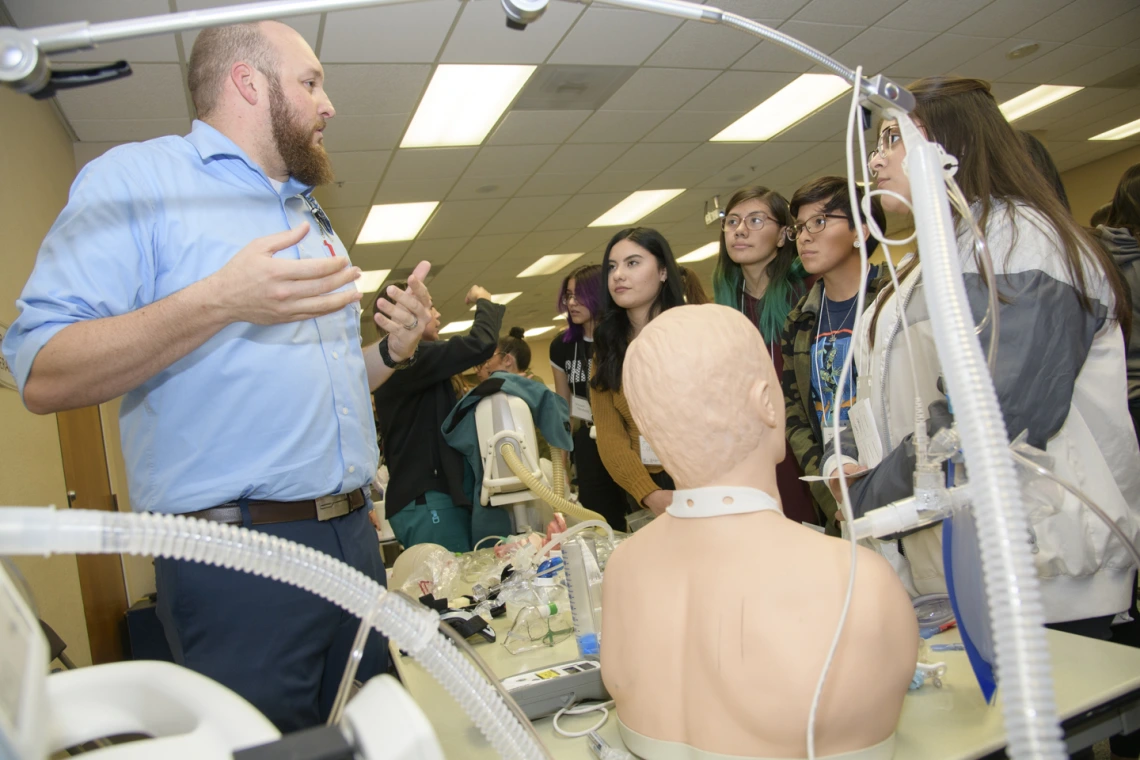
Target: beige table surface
pixel 951 723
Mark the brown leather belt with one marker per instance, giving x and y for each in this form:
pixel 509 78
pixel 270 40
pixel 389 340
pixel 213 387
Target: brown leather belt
pixel 269 512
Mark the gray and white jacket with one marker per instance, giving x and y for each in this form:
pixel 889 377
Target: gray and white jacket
pixel 1060 377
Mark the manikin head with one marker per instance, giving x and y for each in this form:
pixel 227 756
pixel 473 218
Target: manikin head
pixel 703 391
pixel 261 85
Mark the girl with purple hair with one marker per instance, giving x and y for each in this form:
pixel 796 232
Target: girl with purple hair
pixel 571 354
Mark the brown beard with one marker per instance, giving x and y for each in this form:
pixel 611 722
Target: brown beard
pixel 306 162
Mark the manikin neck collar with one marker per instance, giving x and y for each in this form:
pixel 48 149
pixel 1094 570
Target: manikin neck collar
pixel 716 501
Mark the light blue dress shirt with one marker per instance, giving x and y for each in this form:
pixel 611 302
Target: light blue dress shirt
pixel 278 412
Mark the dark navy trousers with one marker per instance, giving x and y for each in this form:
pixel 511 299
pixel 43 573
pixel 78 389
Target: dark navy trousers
pixel 281 648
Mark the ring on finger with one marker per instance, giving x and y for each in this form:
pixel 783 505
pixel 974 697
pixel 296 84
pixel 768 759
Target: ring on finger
pixel 415 323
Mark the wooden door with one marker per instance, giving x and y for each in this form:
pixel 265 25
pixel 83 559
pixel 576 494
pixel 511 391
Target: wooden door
pixel 89 487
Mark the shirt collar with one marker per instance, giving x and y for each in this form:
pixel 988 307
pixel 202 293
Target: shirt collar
pixel 212 145
pixel 715 501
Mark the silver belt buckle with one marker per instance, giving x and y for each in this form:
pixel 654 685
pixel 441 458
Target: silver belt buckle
pixel 329 507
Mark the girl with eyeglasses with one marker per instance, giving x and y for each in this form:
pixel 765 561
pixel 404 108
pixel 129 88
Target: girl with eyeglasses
pixel 817 333
pixel 642 280
pixel 571 356
pixel 1060 374
pixel 759 274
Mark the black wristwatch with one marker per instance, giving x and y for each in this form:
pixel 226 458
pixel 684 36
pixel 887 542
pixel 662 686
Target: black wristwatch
pixel 391 363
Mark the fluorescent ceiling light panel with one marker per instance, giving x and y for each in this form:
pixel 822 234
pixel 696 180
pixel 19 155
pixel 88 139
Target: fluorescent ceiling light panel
pixel 537 331
pixel 502 298
pixel 636 206
pixel 370 282
pixel 548 264
pixel 706 251
pixel 395 221
pixel 1034 100
pixel 463 103
pixel 561 316
pixel 455 327
pixel 1124 130
pixel 797 101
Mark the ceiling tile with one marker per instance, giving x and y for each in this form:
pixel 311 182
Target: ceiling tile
pixel 686 205
pixel 617 126
pixel 1086 105
pixel 679 178
pixel 877 48
pixel 691 126
pixel 460 218
pixel 587 239
pixel 522 214
pixel 346 222
pixel 824 37
pixel 738 91
pixel 652 157
pixel 711 157
pixel 414 190
pixel 658 89
pixel 438 252
pixel 697 45
pixel 372 132
pixel 538 244
pixel 1122 30
pixel 127 130
pixel 346 194
pixel 1006 18
pixel 763 9
pixel 500 160
pixel 154 91
pixel 613 37
pixel 865 12
pixel 473 188
pixel 382 35
pixel 619 181
pixel 392 88
pixel 1113 62
pixel 306 25
pixel 429 163
pixel 160 49
pixel 821 125
pixel 1076 19
pixel 582 159
pixel 580 210
pixel 379 255
pixel 942 55
pixel 482 36
pixel 1047 67
pixel 930 15
pixel 537 127
pixel 486 248
pixel 360 165
pixel 545 183
pixel 993 63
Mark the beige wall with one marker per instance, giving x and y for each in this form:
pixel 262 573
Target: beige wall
pixel 37 165
pixel 1091 186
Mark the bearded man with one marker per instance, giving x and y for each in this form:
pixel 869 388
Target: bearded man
pixel 197 276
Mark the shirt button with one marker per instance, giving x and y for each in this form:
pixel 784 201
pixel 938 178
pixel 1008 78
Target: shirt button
pixel 344 410
pixel 336 355
pixel 351 468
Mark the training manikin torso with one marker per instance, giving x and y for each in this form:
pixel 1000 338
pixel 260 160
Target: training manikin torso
pixel 715 628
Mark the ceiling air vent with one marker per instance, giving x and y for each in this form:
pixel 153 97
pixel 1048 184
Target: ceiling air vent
pixel 572 88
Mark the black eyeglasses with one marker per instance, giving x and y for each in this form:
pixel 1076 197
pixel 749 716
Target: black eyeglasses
pixel 814 225
pixel 752 221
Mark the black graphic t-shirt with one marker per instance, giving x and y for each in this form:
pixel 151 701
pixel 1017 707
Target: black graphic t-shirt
pixel 575 359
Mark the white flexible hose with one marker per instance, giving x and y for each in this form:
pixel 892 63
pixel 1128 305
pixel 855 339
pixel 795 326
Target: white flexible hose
pixel 556 501
pixel 1016 610
pixel 31 530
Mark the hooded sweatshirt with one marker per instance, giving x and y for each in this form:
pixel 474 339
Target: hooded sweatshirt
pixel 1125 251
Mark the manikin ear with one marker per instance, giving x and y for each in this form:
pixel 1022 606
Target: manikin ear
pixel 763 403
pixel 244 78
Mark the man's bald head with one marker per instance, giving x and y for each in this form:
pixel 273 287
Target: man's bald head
pixel 216 51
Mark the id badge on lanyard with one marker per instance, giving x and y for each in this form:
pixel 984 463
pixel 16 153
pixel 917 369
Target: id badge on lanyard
pixel 648 455
pixel 580 409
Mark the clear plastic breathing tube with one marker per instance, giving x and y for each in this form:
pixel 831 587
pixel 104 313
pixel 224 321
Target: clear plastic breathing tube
pixel 1016 610
pixel 414 628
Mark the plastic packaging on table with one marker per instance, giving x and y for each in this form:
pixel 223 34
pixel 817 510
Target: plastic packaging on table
pixel 536 627
pixel 584 586
pixel 638 520
pixel 426 569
